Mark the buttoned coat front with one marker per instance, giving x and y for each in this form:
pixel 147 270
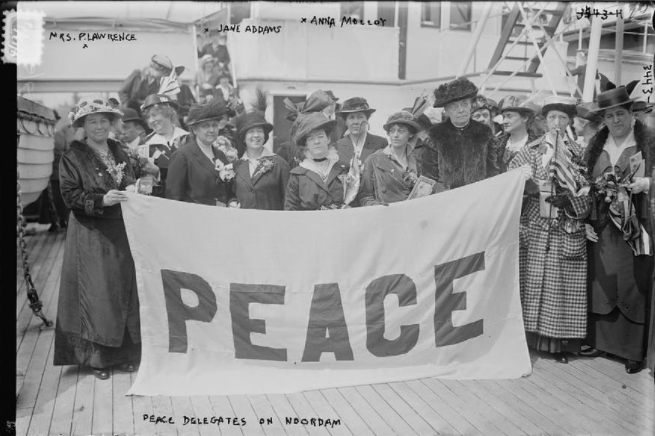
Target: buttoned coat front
pixel 192 176
pixel 264 191
pixel 307 191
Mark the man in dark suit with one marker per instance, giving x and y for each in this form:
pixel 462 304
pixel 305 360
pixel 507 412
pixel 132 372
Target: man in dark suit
pixel 356 113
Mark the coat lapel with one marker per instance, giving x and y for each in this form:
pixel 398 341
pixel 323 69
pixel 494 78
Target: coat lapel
pixel 317 179
pixel 243 172
pixel 203 160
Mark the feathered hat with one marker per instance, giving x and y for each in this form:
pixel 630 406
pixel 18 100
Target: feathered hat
pixel 214 110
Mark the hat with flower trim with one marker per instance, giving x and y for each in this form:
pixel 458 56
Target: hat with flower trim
pixel 92 105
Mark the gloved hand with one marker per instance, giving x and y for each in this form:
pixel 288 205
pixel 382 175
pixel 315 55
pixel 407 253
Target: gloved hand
pixel 560 200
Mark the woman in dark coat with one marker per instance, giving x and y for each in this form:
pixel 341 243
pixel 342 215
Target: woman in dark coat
pixel 315 183
pixel 98 311
pixel 199 172
pixel 261 177
pixel 390 174
pixel 620 278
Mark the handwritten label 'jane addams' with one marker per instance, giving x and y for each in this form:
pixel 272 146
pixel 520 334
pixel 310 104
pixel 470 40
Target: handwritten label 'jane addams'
pixel 236 28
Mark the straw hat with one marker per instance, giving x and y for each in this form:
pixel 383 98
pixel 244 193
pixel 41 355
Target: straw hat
pixel 154 99
pixel 513 103
pixel 92 105
pixel 164 65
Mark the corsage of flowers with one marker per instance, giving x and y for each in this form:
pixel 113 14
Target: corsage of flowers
pixel 137 161
pixel 225 172
pixel 608 185
pixel 410 178
pixel 116 172
pixel 265 165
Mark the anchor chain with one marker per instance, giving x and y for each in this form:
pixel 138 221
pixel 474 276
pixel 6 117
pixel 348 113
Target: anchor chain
pixel 33 297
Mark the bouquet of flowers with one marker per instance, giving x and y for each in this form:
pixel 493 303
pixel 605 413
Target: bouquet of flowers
pixel 225 172
pixel 410 178
pixel 223 144
pixel 138 162
pixel 608 185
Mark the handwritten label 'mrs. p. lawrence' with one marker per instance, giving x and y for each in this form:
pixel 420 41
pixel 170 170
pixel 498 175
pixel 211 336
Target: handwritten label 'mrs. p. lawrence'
pixel 239 421
pixel 84 37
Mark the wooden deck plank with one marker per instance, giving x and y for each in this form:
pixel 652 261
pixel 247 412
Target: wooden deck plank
pixel 495 400
pixel 409 415
pixel 349 416
pixel 271 424
pixel 182 407
pixel 462 389
pixel 364 409
pixel 302 409
pixel 62 417
pixel 162 406
pixel 83 409
pixel 325 411
pixel 420 405
pixel 641 383
pixel 597 403
pixel 243 409
pixel 283 409
pixel 457 421
pixel 123 418
pixel 221 406
pixel 45 400
pixel 388 414
pixel 618 396
pixel 31 336
pixel 103 406
pixel 482 423
pixel 568 397
pixel 142 406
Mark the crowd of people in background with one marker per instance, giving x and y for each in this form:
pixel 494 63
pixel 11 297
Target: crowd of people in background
pixel 585 246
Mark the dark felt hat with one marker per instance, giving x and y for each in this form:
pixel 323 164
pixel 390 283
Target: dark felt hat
pixel 480 102
pixel 154 99
pixel 214 110
pixel 306 123
pixel 130 114
pixel 458 89
pixel 355 104
pixel 613 98
pixel 402 117
pixel 558 103
pixel 247 121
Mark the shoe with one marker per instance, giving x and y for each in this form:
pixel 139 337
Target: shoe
pixel 101 373
pixel 561 358
pixel 126 367
pixel 591 352
pixel 632 366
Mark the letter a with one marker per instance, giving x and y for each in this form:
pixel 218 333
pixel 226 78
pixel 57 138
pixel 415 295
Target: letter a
pixel 326 314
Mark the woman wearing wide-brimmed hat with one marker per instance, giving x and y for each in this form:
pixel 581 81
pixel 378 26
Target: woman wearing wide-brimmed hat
pixel 261 177
pixel 98 310
pixel 196 172
pixel 160 111
pixel 315 183
pixel 390 174
pixel 462 150
pixel 518 116
pixel 553 255
pixel 620 252
pixel 358 141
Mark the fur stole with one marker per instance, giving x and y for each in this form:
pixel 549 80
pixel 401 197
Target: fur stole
pixel 89 160
pixel 461 155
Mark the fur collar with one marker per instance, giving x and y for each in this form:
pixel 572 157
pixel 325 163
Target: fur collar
pixel 90 158
pixel 461 154
pixel 644 136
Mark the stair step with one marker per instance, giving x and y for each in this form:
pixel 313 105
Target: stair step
pixel 539 44
pixel 521 74
pixel 516 58
pixel 548 29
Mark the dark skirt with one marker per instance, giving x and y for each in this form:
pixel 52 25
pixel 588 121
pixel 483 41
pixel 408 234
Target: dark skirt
pixel 614 333
pixel 70 349
pixel 553 345
pixel 98 308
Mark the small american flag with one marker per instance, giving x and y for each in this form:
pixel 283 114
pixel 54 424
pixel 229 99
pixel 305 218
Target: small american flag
pixel 169 85
pixel 561 167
